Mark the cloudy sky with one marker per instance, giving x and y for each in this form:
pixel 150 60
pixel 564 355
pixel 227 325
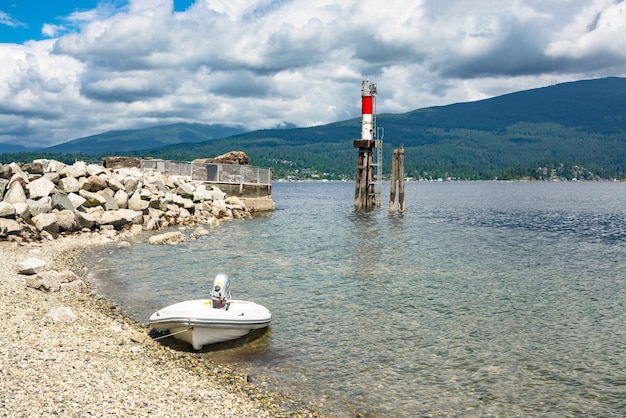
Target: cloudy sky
pixel 70 69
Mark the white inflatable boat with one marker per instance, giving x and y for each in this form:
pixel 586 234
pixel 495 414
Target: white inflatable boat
pixel 207 321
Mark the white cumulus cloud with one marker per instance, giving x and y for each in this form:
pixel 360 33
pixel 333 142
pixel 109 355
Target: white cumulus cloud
pixel 265 63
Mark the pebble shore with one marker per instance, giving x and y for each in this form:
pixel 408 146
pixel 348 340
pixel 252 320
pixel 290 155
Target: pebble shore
pixel 100 363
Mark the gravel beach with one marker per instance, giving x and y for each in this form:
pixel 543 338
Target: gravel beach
pixel 93 361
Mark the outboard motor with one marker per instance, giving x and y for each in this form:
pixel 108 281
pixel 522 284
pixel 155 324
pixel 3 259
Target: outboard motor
pixel 220 293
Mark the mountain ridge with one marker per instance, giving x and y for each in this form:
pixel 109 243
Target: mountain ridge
pixel 579 125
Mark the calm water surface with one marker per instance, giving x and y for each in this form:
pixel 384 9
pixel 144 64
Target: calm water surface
pixel 483 298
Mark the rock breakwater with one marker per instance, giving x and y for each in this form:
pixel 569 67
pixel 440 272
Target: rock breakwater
pixel 45 198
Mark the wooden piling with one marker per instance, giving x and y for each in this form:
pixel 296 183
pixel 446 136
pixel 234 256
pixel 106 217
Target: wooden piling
pixel 394 174
pixel 397 176
pixel 401 179
pixel 365 189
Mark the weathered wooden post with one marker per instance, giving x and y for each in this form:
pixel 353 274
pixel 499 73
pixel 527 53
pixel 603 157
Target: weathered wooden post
pixel 394 175
pixel 397 175
pixel 401 179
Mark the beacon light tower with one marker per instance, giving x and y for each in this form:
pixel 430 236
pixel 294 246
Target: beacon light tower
pixel 367 192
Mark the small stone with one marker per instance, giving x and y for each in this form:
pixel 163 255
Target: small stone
pixel 31 266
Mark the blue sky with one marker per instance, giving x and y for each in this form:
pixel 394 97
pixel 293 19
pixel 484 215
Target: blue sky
pixel 24 20
pixel 74 68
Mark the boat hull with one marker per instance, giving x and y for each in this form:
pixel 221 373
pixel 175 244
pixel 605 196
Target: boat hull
pixel 198 323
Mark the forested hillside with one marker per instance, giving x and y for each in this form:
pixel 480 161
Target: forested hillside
pixel 570 130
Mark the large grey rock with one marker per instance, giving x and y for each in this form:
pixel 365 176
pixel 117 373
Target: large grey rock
pixel 69 185
pixel 76 170
pixel 95 169
pixel 131 216
pixel 7 210
pixel 61 201
pixel 9 227
pixel 85 220
pixel 43 205
pixel 121 198
pixel 34 167
pixel 39 188
pixel 31 265
pixel 113 217
pixel 3 186
pixel 15 194
pixel 22 210
pixel 137 203
pixel 114 184
pixel 130 185
pixel 96 183
pixel 46 222
pixel 201 194
pixel 92 199
pixel 217 193
pixel 185 190
pixel 53 177
pixel 51 166
pixel 66 220
pixel 167 238
pixel 111 203
pixel 235 203
pixel 76 200
pixel 18 173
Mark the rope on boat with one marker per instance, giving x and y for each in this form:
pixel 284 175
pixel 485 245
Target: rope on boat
pixel 171 335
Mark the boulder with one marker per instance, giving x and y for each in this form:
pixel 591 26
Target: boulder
pixel 95 169
pixel 39 188
pixel 66 220
pixel 91 199
pixel 110 202
pixel 130 185
pixel 3 186
pixel 121 198
pixel 76 170
pixel 63 314
pixel 18 173
pixel 121 217
pixel 46 222
pixel 137 203
pixel 7 210
pixel 84 220
pixel 61 201
pixel 167 238
pixel 69 185
pixel 53 177
pixel 15 194
pixel 201 194
pixel 96 183
pixel 235 203
pixel 22 210
pixel 131 216
pixel 55 281
pixel 9 227
pixel 217 193
pixel 31 266
pixel 185 190
pixel 36 207
pixel 76 200
pixel 51 166
pixel 36 167
pixel 114 184
pixel 5 171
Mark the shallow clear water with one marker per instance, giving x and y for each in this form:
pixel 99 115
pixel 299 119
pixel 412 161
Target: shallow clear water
pixel 482 298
